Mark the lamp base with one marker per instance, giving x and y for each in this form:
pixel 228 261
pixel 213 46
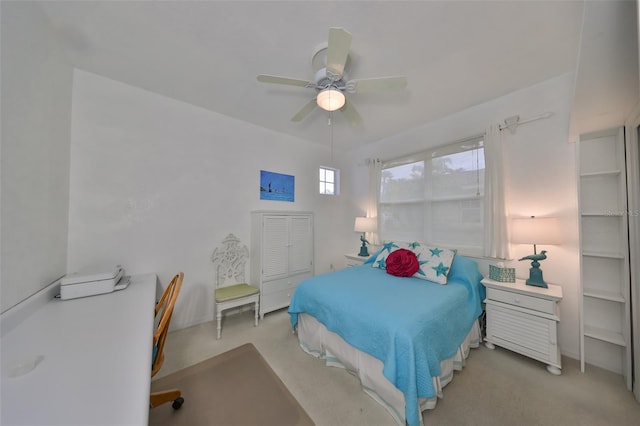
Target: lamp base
pixel 535 276
pixel 363 249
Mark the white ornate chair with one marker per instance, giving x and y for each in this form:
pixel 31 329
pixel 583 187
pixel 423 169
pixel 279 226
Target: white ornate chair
pixel 231 289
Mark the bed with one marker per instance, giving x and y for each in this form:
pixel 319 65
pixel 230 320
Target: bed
pixel 402 336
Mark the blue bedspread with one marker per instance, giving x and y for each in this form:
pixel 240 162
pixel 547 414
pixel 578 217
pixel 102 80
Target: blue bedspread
pixel 408 323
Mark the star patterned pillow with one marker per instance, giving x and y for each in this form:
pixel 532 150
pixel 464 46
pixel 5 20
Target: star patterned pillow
pixel 435 263
pixel 388 248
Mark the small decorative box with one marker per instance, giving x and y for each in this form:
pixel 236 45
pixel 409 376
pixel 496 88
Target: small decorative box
pixel 502 274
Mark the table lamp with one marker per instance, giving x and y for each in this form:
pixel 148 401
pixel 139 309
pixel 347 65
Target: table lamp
pixel 536 230
pixel 365 224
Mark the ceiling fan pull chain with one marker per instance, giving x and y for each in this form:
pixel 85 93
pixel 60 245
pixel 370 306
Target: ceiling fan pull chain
pixel 331 133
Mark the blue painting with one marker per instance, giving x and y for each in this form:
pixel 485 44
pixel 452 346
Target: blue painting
pixel 276 186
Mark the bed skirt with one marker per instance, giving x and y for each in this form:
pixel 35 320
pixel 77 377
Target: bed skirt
pixel 316 340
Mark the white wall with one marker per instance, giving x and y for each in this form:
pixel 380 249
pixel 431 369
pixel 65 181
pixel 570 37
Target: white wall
pixel 36 120
pixel 541 177
pixel 156 184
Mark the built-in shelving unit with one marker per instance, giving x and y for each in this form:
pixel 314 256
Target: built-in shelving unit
pixel 604 253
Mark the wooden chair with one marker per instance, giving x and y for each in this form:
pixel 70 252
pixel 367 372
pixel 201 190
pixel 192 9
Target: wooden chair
pixel 164 310
pixel 231 289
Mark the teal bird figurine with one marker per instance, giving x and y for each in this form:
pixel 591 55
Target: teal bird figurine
pixel 536 257
pixel 535 273
pixel 363 249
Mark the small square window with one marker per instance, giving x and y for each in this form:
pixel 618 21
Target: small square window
pixel 329 179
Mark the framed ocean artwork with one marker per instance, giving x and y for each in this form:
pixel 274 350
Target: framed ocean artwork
pixel 276 186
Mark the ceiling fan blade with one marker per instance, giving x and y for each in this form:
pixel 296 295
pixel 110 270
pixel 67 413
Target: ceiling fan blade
pixel 285 80
pixel 351 114
pixel 377 84
pixel 310 106
pixel 337 52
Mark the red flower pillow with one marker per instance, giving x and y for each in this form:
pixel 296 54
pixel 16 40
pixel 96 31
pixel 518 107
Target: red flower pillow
pixel 402 263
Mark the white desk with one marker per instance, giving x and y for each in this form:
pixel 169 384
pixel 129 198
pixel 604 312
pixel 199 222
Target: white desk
pixel 96 366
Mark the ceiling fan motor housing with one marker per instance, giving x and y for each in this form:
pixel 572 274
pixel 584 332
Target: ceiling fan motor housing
pixel 324 82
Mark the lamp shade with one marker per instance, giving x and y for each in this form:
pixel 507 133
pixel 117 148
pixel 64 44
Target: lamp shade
pixel 536 230
pixel 365 224
pixel 330 99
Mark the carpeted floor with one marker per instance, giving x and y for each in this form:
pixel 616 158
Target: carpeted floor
pixel 235 388
pixel 496 388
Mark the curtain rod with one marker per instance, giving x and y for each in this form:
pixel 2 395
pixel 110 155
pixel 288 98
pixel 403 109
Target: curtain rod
pixel 514 121
pixel 413 155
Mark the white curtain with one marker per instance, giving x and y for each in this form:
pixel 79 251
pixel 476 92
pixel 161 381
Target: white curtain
pixel 375 168
pixel 496 231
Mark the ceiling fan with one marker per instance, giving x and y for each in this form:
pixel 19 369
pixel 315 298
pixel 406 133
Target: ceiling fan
pixel 331 81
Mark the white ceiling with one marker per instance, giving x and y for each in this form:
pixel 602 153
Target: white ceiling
pixel 455 54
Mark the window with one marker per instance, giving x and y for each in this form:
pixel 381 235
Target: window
pixel 329 181
pixel 436 196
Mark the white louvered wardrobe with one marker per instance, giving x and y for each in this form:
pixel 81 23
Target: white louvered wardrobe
pixel 281 255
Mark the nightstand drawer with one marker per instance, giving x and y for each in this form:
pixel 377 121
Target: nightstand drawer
pixel 517 299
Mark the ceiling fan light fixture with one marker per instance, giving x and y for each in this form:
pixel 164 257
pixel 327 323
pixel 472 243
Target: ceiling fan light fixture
pixel 330 99
pixel 331 83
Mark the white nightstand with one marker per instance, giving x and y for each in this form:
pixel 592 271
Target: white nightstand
pixel 524 319
pixel 354 259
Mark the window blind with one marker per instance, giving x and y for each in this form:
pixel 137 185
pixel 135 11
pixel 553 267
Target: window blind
pixel 436 196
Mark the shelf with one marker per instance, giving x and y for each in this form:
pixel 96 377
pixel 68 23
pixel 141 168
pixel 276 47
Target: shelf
pixel 604 335
pixel 603 295
pixel 601 173
pixel 601 214
pixel 602 277
pixel 602 234
pixel 604 262
pixel 598 153
pixel 600 192
pixel 609 255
